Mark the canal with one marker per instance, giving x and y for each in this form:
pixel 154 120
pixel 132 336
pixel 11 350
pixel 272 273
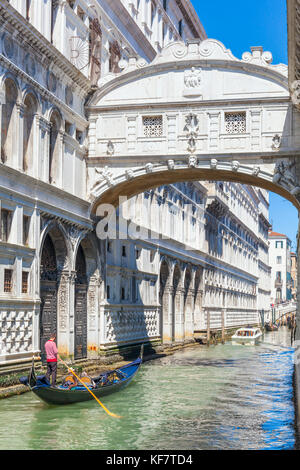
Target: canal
pixel 221 397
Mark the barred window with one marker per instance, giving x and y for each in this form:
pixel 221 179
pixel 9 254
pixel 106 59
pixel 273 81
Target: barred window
pixel 7 280
pixel 25 282
pixel 235 123
pixel 153 126
pixel 5 224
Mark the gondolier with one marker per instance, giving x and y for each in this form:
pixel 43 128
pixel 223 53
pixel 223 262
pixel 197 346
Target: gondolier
pixel 52 356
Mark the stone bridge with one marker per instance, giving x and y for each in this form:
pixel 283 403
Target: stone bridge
pixel 195 113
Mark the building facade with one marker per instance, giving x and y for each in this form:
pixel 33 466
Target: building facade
pixel 280 261
pixel 55 272
pixel 294 272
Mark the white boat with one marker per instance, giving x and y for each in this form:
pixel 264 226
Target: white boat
pixel 247 335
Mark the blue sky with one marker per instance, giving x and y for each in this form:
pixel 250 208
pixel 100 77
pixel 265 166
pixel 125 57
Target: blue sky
pixel 239 25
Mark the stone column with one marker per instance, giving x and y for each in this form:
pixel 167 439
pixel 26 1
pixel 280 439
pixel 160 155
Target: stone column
pixel 65 312
pixel 167 315
pixel 93 295
pixel 16 159
pixel 188 314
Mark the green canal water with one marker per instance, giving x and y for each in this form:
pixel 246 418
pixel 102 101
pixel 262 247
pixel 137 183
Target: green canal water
pixel 221 397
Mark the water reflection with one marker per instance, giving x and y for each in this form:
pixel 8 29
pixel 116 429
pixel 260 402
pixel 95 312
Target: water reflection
pixel 222 397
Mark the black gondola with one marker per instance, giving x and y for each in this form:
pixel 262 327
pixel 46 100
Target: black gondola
pixel 271 327
pixel 104 384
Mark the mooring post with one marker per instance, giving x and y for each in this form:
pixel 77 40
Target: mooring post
pixel 208 328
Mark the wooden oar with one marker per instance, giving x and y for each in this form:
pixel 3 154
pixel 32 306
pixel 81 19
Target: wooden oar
pixel 103 406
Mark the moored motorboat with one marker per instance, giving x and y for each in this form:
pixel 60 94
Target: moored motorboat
pixel 104 384
pixel 247 335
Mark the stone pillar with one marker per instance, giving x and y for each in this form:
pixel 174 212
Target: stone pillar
pixel 188 315
pixel 16 159
pixel 65 312
pixel 167 315
pixel 93 295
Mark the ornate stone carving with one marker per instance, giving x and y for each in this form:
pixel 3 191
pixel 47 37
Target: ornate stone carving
pixel 235 165
pixel 30 67
pixel 285 177
pixel 149 167
pixel 129 174
pixel 110 148
pixel 171 164
pixel 192 82
pixel 192 129
pixel 255 170
pixel 107 176
pixel 276 142
pixel 8 46
pixel 213 164
pixel 192 161
pixel 51 81
pixel 258 56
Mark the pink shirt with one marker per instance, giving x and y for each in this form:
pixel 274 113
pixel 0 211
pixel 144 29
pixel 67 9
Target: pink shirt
pixel 51 351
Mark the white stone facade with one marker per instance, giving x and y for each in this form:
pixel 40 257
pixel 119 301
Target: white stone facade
pixel 280 262
pixel 68 136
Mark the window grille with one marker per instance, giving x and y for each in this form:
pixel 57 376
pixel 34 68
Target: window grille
pixel 153 126
pixel 24 282
pixel 7 280
pixel 235 123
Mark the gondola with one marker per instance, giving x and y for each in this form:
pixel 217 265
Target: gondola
pixel 271 327
pixel 104 384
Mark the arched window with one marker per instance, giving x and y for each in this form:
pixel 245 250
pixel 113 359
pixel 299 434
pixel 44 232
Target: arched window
pixel 55 124
pixel 8 124
pixel 30 107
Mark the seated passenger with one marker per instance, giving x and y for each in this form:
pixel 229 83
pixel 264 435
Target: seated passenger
pixel 69 382
pixel 87 380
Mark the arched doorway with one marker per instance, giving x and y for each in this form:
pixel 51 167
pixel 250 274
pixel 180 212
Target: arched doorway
pixel 49 288
pixel 80 320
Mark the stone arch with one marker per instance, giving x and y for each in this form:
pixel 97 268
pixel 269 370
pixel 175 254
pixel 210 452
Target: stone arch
pixel 188 304
pixel 9 120
pixel 54 285
pixel 60 240
pixel 140 180
pixel 29 131
pixel 86 295
pixel 80 305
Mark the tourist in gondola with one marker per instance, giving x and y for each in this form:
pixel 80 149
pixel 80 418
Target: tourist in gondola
pixel 52 356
